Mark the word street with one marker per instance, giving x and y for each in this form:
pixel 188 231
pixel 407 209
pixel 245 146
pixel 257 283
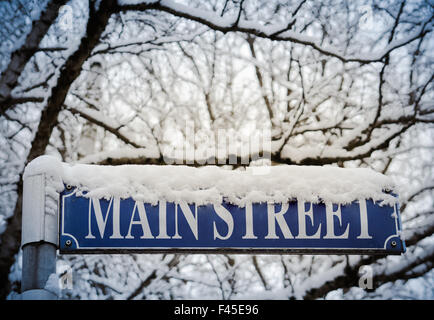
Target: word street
pixel 90 223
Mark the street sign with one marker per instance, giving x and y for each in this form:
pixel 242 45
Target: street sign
pixel 90 225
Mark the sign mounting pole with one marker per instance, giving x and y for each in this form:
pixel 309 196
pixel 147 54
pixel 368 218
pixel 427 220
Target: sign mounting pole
pixel 39 240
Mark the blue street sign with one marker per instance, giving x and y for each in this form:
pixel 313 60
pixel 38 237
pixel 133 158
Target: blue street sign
pixel 89 225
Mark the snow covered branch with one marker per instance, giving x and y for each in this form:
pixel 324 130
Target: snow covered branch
pixel 278 32
pixel 20 57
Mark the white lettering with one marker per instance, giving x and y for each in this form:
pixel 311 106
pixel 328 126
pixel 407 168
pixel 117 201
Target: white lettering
pixel 162 218
pixel 277 216
pixel 186 310
pixel 226 216
pixel 116 219
pixel 101 222
pixel 275 219
pixel 191 219
pixel 366 279
pixel 249 222
pixel 330 214
pixel 302 214
pixel 363 221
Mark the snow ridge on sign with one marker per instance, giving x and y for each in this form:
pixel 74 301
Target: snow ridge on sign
pixel 211 184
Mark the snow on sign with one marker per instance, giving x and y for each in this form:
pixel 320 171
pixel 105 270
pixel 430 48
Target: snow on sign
pixel 290 209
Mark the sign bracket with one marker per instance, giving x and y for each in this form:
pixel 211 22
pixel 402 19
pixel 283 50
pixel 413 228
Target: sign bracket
pixel 39 239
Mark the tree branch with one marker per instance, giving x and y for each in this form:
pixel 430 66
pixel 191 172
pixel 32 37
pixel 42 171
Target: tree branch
pixel 20 57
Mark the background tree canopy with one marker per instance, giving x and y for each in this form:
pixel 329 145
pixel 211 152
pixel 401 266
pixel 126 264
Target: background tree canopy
pixel 344 83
